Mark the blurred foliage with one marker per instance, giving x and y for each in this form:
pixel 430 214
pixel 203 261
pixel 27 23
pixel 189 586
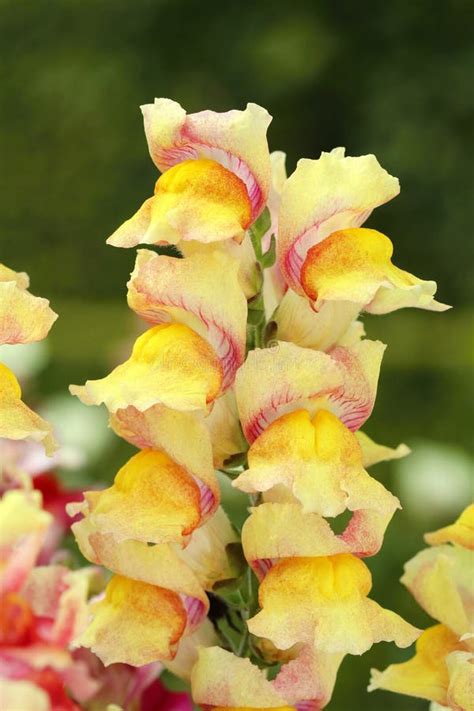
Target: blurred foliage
pixel 388 78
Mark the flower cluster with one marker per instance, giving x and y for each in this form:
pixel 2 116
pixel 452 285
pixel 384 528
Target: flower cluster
pixel 441 580
pixel 254 363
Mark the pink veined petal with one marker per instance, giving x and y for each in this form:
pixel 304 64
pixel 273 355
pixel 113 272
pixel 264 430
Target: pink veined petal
pixel 235 139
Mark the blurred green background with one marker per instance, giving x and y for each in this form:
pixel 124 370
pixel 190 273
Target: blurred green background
pixel 392 79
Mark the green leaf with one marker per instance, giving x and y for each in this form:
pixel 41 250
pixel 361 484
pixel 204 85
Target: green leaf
pixel 268 259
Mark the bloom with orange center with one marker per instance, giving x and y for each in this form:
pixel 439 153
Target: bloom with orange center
pixel 151 602
pixel 182 436
pixel 354 265
pixel 323 602
pixel 24 318
pixel 321 196
pixel 152 499
pixel 202 291
pixel 170 364
pixel 216 175
pixel 322 252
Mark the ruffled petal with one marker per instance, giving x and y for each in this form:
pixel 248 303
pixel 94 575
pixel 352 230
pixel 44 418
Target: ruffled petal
pixel 355 265
pixel 187 654
pixel 282 530
pixel 153 499
pixel 224 428
pixel 182 436
pixel 201 291
pixel 17 421
pixel 24 318
pixel 460 532
pixel 332 193
pixel 334 323
pixel 194 200
pixel 220 680
pixel 373 453
pixel 135 622
pixel 236 139
pixel 440 580
pixel 170 364
pixel 308 681
pixel 322 602
pixel 279 379
pixel 425 675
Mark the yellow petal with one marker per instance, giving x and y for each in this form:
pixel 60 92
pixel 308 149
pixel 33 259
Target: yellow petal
pixel 158 565
pixel 180 435
pixel 250 276
pixel 223 681
pixel 17 421
pixel 187 654
pixel 194 200
pixel 461 681
pixel 201 291
pixel 320 462
pixel 323 602
pixel 334 322
pixel 224 429
pixel 24 318
pixel 135 623
pixel 440 579
pixel 426 674
pixel 355 265
pixel 373 453
pixel 236 139
pixel 278 379
pixel 460 532
pixel 170 364
pixel 206 553
pixel 282 530
pixel 332 193
pixel 310 678
pixel 153 499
